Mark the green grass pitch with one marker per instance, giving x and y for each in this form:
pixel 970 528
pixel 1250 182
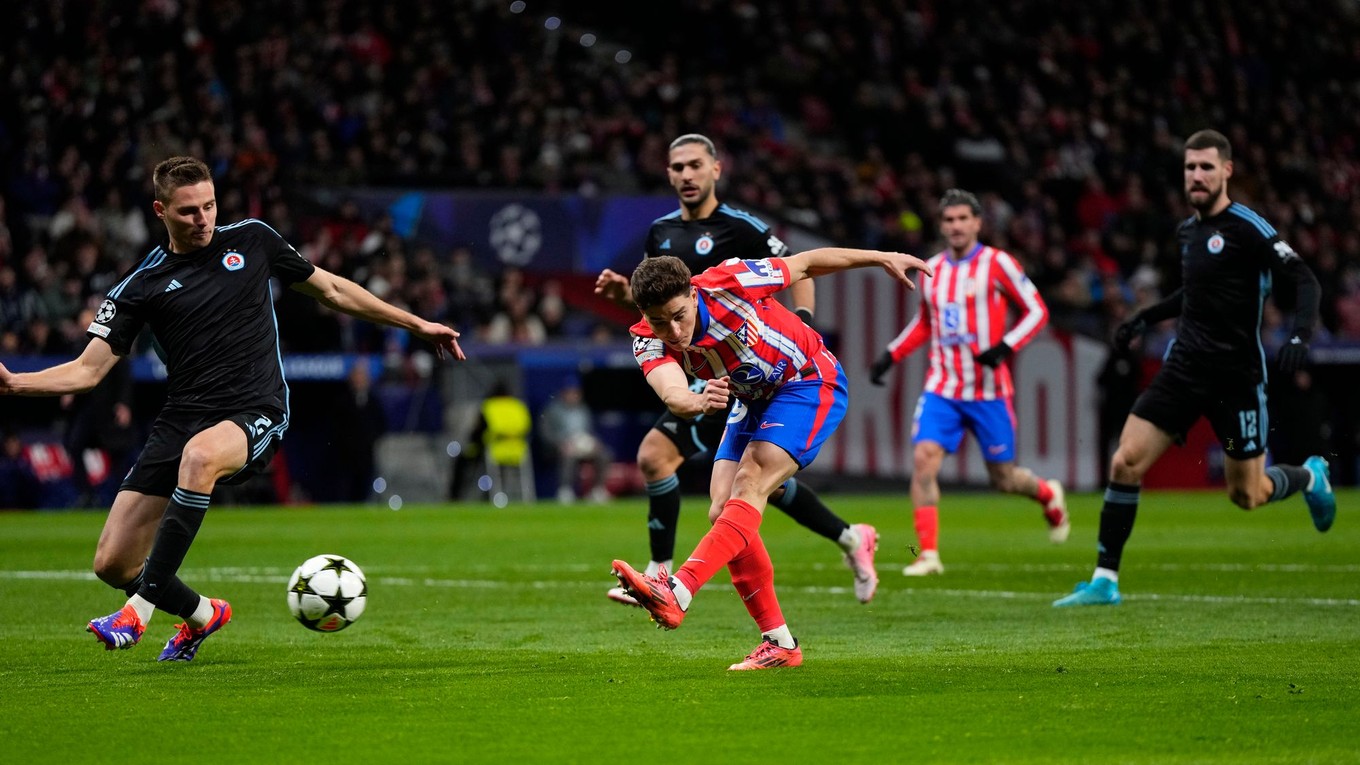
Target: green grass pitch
pixel 488 639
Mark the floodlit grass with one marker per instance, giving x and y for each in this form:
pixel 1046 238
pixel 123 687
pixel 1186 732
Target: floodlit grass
pixel 488 638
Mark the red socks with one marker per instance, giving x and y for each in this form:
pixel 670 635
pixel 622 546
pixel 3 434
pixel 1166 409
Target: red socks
pixel 1045 493
pixel 734 530
pixel 928 527
pixel 753 578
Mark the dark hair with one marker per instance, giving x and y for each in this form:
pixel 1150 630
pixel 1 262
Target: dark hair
pixel 659 280
pixel 176 172
pixel 698 138
pixel 956 197
pixel 1210 139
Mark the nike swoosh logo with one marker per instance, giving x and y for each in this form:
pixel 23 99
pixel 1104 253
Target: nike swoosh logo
pixel 696 560
pixel 765 425
pixel 752 595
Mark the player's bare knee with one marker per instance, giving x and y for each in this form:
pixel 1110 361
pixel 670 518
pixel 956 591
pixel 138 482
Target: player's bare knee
pixel 1126 466
pixel 715 511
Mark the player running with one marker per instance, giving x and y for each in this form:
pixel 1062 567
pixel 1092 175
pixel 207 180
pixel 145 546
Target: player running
pixel 968 385
pixel 1216 367
pixel 704 233
pixel 206 297
pixel 724 326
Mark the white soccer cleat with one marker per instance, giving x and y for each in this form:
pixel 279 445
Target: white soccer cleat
pixel 927 564
pixel 620 595
pixel 1055 512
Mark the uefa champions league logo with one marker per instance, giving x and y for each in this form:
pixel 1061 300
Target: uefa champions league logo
pixel 516 234
pixel 106 311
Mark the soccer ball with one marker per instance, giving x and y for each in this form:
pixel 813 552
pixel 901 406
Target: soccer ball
pixel 327 593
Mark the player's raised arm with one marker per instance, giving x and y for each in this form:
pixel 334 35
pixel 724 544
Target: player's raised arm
pixel 76 376
pixel 829 260
pixel 613 286
pixel 341 294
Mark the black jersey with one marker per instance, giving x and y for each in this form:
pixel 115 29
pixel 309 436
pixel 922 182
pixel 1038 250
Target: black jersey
pixel 1228 262
pixel 704 243
pixel 212 312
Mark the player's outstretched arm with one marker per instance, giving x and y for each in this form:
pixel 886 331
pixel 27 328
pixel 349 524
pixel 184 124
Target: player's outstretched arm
pixel 613 286
pixel 829 260
pixel 672 387
pixel 341 294
pixel 76 376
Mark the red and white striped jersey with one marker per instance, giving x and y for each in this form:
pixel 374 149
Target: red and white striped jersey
pixel 742 333
pixel 963 312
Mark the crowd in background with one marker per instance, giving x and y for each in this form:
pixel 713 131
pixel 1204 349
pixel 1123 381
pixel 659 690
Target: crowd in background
pixel 845 118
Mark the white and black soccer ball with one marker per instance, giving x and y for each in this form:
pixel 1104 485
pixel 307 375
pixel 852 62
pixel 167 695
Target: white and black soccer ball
pixel 327 593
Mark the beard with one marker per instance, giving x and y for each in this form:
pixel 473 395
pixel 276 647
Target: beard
pixel 1210 199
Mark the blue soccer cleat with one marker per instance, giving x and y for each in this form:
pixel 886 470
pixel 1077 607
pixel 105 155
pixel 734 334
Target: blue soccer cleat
pixel 120 629
pixel 184 645
pixel 1097 592
pixel 1321 501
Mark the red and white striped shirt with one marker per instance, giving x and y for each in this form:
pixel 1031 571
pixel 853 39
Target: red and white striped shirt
pixel 963 312
pixel 742 333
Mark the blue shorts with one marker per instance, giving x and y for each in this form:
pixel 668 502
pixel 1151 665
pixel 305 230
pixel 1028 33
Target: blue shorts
pixel 799 419
pixel 943 420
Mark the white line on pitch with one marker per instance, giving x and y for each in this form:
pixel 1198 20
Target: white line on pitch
pixel 230 576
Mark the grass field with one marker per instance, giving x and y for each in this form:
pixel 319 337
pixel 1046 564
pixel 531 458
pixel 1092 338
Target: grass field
pixel 488 638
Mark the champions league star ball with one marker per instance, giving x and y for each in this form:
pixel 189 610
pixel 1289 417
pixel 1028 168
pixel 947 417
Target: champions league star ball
pixel 327 593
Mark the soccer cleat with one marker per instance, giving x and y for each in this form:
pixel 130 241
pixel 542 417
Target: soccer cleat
pixel 120 629
pixel 652 593
pixel 1055 512
pixel 860 561
pixel 928 563
pixel 184 645
pixel 769 656
pixel 620 595
pixel 1321 501
pixel 1097 592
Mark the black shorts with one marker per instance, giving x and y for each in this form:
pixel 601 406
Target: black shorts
pixel 157 470
pixel 1234 405
pixel 700 435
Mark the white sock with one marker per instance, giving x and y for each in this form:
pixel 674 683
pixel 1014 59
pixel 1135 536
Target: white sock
pixel 682 594
pixel 781 636
pixel 849 538
pixel 654 565
pixel 201 615
pixel 1105 573
pixel 144 608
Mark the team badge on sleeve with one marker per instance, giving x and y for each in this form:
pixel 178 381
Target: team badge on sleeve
pixel 233 261
pixel 648 349
pixel 106 312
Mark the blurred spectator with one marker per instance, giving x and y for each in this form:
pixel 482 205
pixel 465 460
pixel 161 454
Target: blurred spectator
pixel 101 419
pixel 568 427
pixel 359 422
pixel 19 486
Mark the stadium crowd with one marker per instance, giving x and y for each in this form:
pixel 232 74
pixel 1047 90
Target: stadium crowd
pixel 847 119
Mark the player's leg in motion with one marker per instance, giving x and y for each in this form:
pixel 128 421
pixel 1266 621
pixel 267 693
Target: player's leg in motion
pixel 1010 478
pixel 858 542
pixel 659 459
pixel 993 423
pixel 925 500
pixel 1252 484
pixel 740 490
pixel 214 453
pixel 1140 444
pixel 120 562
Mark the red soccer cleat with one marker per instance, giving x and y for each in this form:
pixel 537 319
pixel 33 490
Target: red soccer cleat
pixel 769 656
pixel 652 593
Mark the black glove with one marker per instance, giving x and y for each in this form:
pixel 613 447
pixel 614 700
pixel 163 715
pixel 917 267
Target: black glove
pixel 1293 355
pixel 1127 331
pixel 994 355
pixel 880 368
pixel 805 314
